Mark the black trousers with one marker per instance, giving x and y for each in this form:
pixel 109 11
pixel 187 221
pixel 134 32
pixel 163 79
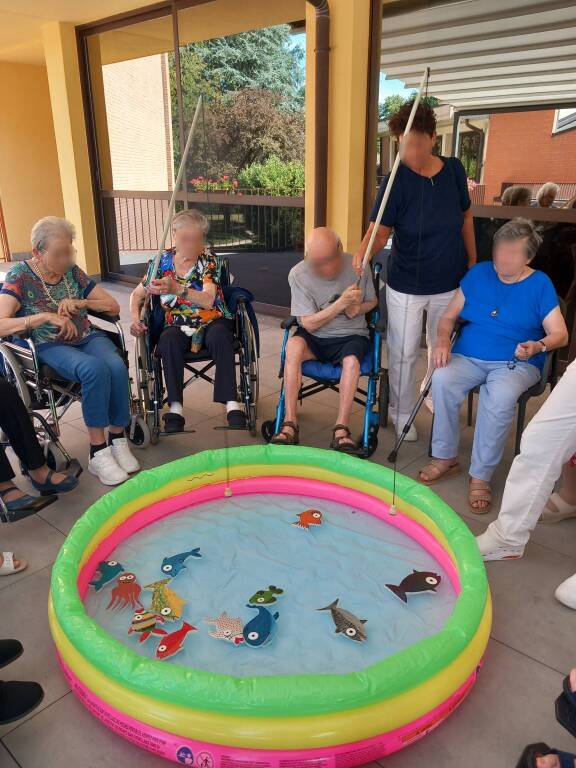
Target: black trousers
pixel 218 340
pixel 17 426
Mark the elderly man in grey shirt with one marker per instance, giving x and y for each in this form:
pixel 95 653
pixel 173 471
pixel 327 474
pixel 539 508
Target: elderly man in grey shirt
pixel 332 328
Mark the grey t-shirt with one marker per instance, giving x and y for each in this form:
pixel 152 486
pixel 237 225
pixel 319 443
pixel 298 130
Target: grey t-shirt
pixel 311 293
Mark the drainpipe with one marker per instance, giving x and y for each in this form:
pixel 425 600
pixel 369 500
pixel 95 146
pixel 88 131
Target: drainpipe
pixel 322 55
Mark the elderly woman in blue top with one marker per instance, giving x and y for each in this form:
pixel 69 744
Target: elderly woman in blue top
pixel 433 246
pixel 47 298
pixel 512 319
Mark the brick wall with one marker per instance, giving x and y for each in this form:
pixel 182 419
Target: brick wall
pixel 522 147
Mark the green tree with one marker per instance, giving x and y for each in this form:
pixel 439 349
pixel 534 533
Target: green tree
pixel 392 104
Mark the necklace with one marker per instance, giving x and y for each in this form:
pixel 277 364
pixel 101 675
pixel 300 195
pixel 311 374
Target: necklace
pixel 496 311
pixel 38 272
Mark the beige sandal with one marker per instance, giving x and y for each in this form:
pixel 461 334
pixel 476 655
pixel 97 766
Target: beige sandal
pixel 557 509
pixel 437 470
pixel 479 490
pixel 8 567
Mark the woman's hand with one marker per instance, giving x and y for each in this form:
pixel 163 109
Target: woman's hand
pixel 68 330
pixel 138 328
pixel 441 354
pixel 71 307
pixel 527 349
pixel 163 285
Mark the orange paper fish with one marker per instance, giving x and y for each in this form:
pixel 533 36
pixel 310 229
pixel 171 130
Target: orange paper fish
pixel 308 518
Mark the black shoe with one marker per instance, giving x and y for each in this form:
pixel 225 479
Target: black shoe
pixel 18 699
pixel 236 419
pixel 10 650
pixel 173 422
pixel 48 487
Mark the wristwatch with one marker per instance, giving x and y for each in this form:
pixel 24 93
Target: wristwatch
pixel 544 347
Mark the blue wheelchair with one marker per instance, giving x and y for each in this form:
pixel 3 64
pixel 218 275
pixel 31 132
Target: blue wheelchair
pixel 373 395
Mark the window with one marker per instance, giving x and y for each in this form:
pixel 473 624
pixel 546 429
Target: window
pixel 564 119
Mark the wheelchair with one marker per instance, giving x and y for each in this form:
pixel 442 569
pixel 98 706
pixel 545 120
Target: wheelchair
pixel 374 396
pixel 151 396
pixel 46 395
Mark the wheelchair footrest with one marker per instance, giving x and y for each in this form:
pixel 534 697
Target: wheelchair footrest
pixel 233 429
pixel 174 434
pixel 40 502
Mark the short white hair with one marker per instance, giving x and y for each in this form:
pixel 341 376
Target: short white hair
pixel 50 226
pixel 191 217
pixel 549 188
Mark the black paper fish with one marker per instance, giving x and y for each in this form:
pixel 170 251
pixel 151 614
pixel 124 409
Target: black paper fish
pixel 417 581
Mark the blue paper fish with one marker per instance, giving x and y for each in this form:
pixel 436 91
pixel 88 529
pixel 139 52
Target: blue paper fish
pixel 171 566
pixel 258 630
pixel 107 571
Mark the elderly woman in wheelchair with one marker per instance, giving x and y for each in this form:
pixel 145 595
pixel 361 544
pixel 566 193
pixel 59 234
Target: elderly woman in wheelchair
pixel 47 299
pixel 187 283
pixel 331 311
pixel 512 319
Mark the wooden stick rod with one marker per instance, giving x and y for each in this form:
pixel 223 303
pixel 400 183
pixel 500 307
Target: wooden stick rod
pixel 393 172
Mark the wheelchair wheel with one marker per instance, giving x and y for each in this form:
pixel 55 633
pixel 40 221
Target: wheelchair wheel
pixel 383 398
pixel 139 432
pixel 55 458
pixel 15 376
pixel 249 373
pixel 267 430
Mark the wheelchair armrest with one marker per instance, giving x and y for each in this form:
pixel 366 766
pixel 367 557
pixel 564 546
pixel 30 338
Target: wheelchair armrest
pixel 289 322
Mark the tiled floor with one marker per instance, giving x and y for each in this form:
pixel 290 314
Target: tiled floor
pixel 531 648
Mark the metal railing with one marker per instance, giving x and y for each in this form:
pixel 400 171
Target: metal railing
pixel 246 219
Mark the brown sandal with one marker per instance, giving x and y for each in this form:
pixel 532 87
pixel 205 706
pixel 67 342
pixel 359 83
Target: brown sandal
pixel 339 443
pixel 437 470
pixel 285 438
pixel 479 490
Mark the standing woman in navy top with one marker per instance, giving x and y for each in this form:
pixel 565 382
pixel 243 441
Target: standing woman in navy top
pixel 433 246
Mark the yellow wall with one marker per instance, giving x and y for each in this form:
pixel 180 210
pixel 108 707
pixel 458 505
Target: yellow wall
pixel 29 175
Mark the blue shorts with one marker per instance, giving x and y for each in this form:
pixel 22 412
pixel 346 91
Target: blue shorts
pixel 335 348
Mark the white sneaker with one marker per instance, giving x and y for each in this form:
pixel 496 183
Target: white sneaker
pixel 566 592
pixel 492 549
pixel 429 403
pixel 124 456
pixel 104 466
pixel 411 436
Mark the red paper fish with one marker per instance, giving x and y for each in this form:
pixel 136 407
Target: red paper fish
pixel 308 518
pixel 174 642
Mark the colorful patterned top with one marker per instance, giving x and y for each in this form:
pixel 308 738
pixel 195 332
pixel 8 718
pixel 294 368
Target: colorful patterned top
pixel 24 285
pixel 181 311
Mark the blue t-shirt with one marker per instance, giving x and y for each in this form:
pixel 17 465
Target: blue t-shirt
pixel 427 215
pixel 521 309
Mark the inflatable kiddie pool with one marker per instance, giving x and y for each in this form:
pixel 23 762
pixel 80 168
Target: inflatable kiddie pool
pixel 375 619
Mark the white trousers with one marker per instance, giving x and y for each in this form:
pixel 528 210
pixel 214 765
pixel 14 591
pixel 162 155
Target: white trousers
pixel 547 444
pixel 405 313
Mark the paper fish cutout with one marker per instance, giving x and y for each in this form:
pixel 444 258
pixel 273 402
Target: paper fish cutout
pixel 165 602
pixel 346 623
pixel 258 630
pixel 172 643
pixel 126 592
pixel 227 628
pixel 171 566
pixel 309 518
pixel 417 581
pixel 266 596
pixel 145 623
pixel 106 572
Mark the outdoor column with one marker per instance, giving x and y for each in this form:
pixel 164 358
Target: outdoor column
pixel 63 70
pixel 348 97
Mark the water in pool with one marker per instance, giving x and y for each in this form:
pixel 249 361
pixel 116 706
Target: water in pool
pixel 248 543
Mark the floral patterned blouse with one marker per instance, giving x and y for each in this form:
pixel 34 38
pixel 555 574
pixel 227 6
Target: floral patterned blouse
pixel 24 285
pixel 181 311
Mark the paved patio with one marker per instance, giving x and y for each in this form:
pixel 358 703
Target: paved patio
pixel 531 647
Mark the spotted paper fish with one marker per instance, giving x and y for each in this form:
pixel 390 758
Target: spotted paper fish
pixel 346 623
pixel 172 643
pixel 308 518
pixel 145 623
pixel 227 628
pixel 258 630
pixel 266 596
pixel 171 566
pixel 165 602
pixel 107 571
pixel 417 581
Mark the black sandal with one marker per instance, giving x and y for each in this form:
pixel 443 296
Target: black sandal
pixel 236 419
pixel 284 438
pixel 534 751
pixel 566 708
pixel 173 422
pixel 339 444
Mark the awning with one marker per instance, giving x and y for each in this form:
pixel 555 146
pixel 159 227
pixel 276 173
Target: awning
pixel 486 53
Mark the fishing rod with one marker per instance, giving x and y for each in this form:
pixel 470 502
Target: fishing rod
pixel 171 205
